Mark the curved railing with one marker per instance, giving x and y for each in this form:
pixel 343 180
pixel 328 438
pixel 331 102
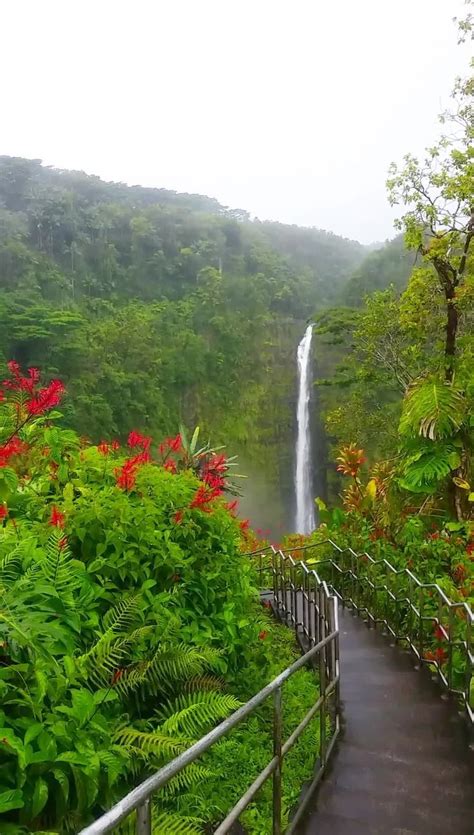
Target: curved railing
pixel 420 616
pixel 315 618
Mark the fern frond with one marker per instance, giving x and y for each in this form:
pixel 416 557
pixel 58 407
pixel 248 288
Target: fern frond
pixel 173 663
pixel 204 682
pixel 185 779
pixel 166 823
pixel 109 652
pixel 122 617
pixel 58 567
pixel 155 743
pixel 195 713
pixel 433 409
pixel 100 664
pixel 10 567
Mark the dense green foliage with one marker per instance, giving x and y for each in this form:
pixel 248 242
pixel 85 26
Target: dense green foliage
pixel 406 359
pixel 389 266
pixel 129 625
pixel 157 308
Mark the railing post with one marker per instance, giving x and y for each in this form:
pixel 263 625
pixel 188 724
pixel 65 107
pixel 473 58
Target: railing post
pixel 322 682
pixel 277 734
pixel 450 647
pixel 421 626
pixel 143 824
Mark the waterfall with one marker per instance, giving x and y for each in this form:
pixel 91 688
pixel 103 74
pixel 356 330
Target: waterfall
pixel 305 521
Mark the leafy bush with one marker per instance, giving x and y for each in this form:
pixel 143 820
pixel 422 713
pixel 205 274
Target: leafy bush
pixel 124 600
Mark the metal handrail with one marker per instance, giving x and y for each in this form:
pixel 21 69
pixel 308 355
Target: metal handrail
pixel 318 629
pixel 404 609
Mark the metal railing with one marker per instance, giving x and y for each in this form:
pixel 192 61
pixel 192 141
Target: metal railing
pixel 313 612
pixel 419 616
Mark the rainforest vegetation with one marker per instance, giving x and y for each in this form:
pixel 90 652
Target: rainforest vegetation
pixel 129 615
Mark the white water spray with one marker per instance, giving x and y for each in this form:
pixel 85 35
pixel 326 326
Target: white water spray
pixel 305 521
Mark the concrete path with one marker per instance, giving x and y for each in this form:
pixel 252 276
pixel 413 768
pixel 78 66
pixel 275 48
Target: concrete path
pixel 403 766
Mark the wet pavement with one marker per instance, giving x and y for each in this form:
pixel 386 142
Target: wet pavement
pixel 403 765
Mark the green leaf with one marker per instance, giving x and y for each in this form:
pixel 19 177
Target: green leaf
pixel 11 800
pixel 32 732
pixel 40 797
pixel 63 782
pixel 433 410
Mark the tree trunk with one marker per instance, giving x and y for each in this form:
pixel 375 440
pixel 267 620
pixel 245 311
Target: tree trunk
pixel 452 321
pixel 448 280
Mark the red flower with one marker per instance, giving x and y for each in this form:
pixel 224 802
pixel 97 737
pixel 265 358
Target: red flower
pixel 438 655
pixel 103 448
pixel 116 676
pixel 175 444
pixel 57 518
pixel 435 535
pixel 46 398
pixel 3 511
pixel 135 439
pixel 440 632
pixel 213 472
pixel 470 548
pixel 29 383
pixel 13 447
pixel 244 525
pixel 14 368
pixel 232 507
pixel 263 634
pixel 460 573
pixel 203 496
pixel 170 465
pixel 178 517
pixel 115 445
pixel 126 474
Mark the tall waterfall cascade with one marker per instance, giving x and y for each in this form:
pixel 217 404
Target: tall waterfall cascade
pixel 305 520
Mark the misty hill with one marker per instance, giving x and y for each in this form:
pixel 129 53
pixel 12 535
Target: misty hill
pixel 68 215
pixel 157 307
pixel 391 264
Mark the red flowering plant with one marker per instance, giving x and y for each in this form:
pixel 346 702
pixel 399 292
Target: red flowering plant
pixel 124 578
pixel 32 449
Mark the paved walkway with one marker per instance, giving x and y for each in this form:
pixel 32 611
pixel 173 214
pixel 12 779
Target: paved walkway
pixel 403 766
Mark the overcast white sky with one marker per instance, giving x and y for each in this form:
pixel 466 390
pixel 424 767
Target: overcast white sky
pixel 291 109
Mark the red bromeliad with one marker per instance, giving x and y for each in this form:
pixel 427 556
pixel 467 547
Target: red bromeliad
pixel 351 460
pixel 3 511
